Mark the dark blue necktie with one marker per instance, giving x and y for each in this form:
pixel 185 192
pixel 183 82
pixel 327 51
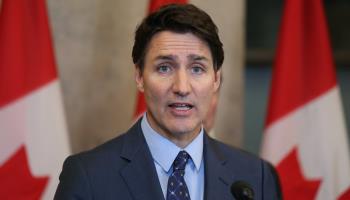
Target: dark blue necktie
pixel 177 188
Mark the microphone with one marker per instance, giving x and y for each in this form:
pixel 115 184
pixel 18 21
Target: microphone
pixel 242 191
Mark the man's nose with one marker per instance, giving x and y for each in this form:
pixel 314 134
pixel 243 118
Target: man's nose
pixel 181 85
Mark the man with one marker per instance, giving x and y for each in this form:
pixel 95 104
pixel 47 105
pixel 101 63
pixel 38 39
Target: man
pixel 167 154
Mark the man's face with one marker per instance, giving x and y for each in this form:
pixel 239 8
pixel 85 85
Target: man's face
pixel 178 81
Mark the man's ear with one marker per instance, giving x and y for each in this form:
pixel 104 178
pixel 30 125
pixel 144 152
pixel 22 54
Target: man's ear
pixel 217 81
pixel 139 79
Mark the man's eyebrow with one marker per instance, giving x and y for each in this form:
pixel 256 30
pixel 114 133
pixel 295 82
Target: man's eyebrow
pixel 165 57
pixel 171 57
pixel 197 57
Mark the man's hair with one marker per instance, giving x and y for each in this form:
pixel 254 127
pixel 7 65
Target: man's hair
pixel 178 18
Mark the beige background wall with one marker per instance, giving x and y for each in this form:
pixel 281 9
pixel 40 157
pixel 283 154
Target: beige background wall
pixel 93 41
pixel 229 16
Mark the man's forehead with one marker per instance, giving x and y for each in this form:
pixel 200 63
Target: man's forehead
pixel 169 43
pixel 176 39
pixel 165 43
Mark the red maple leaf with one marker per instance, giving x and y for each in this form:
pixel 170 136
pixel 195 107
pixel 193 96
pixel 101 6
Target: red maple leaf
pixel 345 195
pixel 16 180
pixel 294 184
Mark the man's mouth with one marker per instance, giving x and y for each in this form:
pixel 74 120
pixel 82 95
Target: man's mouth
pixel 181 106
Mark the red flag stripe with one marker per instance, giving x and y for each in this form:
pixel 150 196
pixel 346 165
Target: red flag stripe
pixel 307 70
pixel 26 54
pixel 156 4
pixel 140 105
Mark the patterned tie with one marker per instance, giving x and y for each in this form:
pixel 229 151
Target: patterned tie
pixel 177 188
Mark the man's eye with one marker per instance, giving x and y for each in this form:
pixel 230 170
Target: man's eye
pixel 197 70
pixel 164 69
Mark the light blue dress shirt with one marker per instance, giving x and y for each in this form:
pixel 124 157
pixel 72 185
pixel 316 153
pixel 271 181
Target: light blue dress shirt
pixel 164 153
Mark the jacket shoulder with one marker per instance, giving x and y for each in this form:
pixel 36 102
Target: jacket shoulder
pixel 94 173
pixel 235 154
pixel 247 167
pixel 103 152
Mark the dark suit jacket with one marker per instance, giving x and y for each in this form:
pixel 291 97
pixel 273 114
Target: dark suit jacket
pixel 123 169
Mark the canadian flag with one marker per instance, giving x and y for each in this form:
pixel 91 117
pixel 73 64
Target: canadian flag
pixel 305 135
pixel 153 6
pixel 33 134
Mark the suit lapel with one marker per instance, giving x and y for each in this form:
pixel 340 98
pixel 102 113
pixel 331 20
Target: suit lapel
pixel 139 174
pixel 217 177
pixel 141 177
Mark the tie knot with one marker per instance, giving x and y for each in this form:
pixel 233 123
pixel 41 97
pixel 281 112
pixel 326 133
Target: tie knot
pixel 181 160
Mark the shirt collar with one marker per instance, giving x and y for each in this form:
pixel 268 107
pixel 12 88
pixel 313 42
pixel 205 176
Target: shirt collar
pixel 158 144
